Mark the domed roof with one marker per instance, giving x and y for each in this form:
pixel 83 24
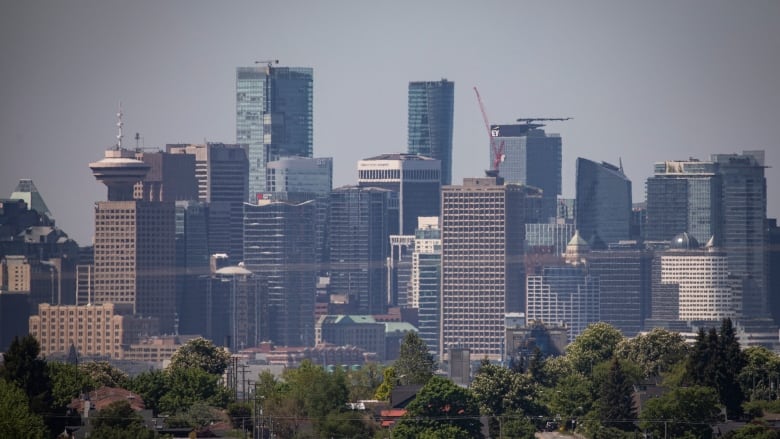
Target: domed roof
pixel 684 241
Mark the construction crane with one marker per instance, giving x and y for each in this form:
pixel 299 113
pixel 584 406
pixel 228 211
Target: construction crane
pixel 542 119
pixel 498 152
pixel 268 62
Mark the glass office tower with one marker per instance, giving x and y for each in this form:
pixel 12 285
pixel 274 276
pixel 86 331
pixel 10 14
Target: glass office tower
pixel 603 212
pixel 274 108
pixel 431 110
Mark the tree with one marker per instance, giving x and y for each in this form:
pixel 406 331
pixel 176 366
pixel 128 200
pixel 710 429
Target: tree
pixel 415 364
pixel 346 425
pixel 240 414
pixel 17 421
pixel 152 386
pixel 22 367
pixel 202 354
pixel 655 352
pixel 615 405
pixel 716 361
pixel 68 381
pixel 188 386
pixel 198 416
pixel 362 383
pixel 753 431
pixel 596 344
pixel 572 397
pixel 760 375
pixel 682 412
pixel 388 383
pixel 440 405
pixel 119 421
pixel 102 373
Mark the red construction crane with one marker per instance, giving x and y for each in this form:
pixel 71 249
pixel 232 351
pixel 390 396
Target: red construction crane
pixel 498 152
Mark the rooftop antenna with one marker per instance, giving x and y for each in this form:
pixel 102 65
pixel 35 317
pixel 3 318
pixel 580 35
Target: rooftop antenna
pixel 137 139
pixel 119 127
pixel 620 162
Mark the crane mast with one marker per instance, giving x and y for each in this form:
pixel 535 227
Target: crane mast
pixel 498 152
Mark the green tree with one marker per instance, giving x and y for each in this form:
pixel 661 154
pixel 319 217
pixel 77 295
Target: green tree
pixel 362 383
pixel 615 405
pixel 760 375
pixel 191 385
pixel 350 425
pixel 389 382
pixel 572 397
pixel 119 421
pixel 68 381
pixel 682 412
pixel 415 364
pixel 17 421
pixel 202 354
pixel 240 414
pixel 754 430
pixel 655 352
pixel 716 361
pixel 516 425
pixel 22 367
pixel 596 344
pixel 439 405
pixel 198 416
pixel 102 373
pixel 152 386
pixel 554 369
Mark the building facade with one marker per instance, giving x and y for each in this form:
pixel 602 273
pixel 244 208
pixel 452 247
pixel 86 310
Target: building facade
pixel 603 206
pixel 430 122
pixel 482 236
pixel 425 282
pixel 274 117
pixel 359 245
pixel 280 250
pixel 530 157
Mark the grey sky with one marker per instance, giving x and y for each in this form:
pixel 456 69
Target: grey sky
pixel 645 81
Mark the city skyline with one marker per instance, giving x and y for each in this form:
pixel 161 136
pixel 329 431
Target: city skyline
pixel 645 83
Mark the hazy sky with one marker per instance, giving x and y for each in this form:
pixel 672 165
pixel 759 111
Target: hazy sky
pixel 645 81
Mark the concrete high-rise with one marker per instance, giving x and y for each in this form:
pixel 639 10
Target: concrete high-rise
pixel 482 240
pixel 416 179
pixel 303 175
pixel 430 122
pixel 530 157
pixel 221 171
pixel 274 117
pixel 359 245
pixel 171 177
pixel 425 282
pixel 603 209
pixel 279 249
pixel 134 242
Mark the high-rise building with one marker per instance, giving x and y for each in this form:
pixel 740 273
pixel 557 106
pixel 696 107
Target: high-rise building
pixel 416 179
pixel 27 191
pixel 725 198
pixel 482 233
pixel 773 266
pixel 221 171
pixel 530 157
pixel 359 244
pixel 625 286
pixel 274 117
pixel 684 196
pixel 603 210
pixel 425 281
pixel 171 177
pixel 743 233
pixel 236 311
pixel 192 266
pixel 399 270
pixel 551 237
pixel 305 175
pixel 698 279
pixel 279 250
pixel 430 122
pixel 134 242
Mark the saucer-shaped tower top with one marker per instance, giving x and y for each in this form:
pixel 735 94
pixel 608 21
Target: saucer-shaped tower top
pixel 119 171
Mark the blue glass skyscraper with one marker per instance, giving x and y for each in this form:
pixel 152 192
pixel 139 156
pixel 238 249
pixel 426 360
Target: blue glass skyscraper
pixel 431 110
pixel 274 108
pixel 603 207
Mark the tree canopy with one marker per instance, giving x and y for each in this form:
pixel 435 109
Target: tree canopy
pixel 17 421
pixel 596 344
pixel 655 352
pixel 202 354
pixel 415 364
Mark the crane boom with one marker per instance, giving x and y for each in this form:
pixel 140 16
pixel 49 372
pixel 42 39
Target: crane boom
pixel 484 114
pixel 498 152
pixel 543 119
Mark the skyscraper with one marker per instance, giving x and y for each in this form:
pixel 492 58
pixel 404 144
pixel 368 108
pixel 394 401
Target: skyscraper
pixel 359 245
pixel 430 122
pixel 744 236
pixel 530 157
pixel 134 242
pixel 279 250
pixel 274 117
pixel 221 171
pixel 416 179
pixel 603 210
pixel 425 288
pixel 482 234
pixel 684 196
